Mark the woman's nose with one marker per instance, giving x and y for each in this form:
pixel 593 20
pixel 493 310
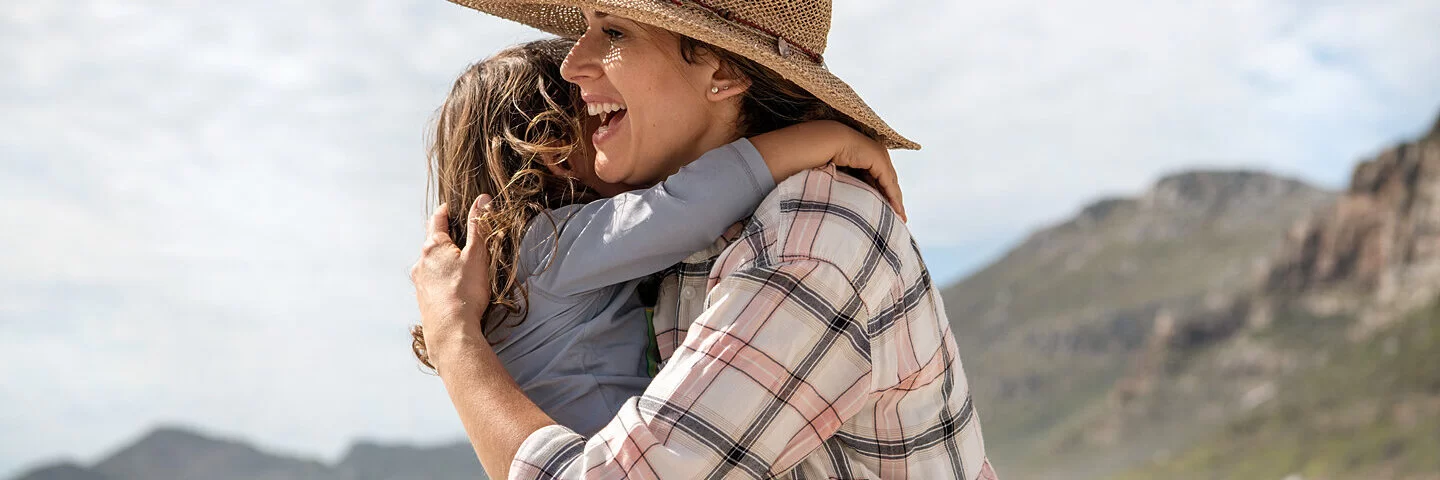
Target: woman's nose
pixel 583 61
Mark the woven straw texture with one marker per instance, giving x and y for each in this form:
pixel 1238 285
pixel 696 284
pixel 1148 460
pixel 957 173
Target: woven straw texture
pixel 786 36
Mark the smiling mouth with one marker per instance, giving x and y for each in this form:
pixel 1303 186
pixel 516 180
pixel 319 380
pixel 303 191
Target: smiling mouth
pixel 610 115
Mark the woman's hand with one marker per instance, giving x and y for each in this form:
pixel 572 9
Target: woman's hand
pixel 452 284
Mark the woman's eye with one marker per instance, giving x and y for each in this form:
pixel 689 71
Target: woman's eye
pixel 612 34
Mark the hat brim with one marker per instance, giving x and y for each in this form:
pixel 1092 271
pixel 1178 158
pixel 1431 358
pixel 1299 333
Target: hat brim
pixel 564 18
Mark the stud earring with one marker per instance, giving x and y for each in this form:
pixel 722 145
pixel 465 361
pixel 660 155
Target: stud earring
pixel 714 89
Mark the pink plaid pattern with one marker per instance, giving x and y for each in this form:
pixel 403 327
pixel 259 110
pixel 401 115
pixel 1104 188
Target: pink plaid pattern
pixel 808 343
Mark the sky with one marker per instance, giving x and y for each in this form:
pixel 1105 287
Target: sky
pixel 208 210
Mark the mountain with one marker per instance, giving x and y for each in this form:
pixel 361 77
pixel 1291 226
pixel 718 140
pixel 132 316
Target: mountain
pixel 1046 330
pixel 1328 369
pixel 173 453
pixel 177 453
pixel 372 461
pixel 62 471
pixel 1222 325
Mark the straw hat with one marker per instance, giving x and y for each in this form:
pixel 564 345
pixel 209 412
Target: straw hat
pixel 788 36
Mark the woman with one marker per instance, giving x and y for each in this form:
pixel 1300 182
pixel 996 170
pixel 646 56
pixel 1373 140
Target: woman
pixel 810 343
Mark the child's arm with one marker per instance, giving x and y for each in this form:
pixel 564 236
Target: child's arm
pixel 637 233
pixel 804 146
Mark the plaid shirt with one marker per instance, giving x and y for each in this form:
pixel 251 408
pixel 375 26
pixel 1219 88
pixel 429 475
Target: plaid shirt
pixel 809 344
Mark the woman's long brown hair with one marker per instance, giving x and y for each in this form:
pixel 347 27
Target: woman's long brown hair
pixel 505 116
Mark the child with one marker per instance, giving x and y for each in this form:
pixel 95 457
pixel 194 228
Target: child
pixel 568 250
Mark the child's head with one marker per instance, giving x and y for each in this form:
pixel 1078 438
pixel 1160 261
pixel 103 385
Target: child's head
pixel 511 128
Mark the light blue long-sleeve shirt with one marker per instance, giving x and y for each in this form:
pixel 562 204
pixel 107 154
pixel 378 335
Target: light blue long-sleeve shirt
pixel 580 351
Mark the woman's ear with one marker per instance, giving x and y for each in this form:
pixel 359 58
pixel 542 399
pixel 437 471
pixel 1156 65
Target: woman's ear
pixel 726 82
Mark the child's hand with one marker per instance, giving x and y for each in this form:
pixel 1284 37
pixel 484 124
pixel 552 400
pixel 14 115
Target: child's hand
pixel 862 153
pixel 808 145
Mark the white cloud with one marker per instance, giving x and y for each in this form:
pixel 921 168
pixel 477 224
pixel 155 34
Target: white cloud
pixel 210 209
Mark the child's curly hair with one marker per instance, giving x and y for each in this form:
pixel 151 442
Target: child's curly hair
pixel 505 117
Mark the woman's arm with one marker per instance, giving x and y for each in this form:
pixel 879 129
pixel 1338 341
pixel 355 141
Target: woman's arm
pixel 508 431
pixel 452 286
pixel 637 233
pixel 495 412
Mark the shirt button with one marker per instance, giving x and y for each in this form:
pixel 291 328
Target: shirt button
pixel 688 293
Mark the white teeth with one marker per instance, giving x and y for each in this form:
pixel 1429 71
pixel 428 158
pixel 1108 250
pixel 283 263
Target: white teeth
pixel 599 108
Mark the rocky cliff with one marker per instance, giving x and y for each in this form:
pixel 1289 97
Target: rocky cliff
pixel 1325 369
pixel 1381 240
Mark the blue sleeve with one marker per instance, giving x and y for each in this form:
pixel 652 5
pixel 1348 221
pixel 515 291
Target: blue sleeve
pixel 580 248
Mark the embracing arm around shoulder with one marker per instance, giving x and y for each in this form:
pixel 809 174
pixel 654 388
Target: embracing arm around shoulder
pixel 637 233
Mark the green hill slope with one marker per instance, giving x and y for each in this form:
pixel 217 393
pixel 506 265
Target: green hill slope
pixel 1047 330
pixel 1371 410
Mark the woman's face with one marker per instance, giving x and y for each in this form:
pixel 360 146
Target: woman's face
pixel 656 110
